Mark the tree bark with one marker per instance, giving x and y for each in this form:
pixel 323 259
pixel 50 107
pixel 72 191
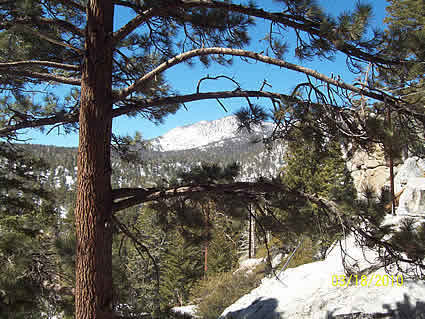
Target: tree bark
pixel 93 297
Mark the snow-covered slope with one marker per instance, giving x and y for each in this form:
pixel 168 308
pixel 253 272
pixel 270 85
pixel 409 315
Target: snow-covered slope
pixel 311 290
pixel 203 133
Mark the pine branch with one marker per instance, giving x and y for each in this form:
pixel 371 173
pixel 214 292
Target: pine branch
pixel 49 64
pixel 64 25
pixel 299 23
pixel 131 26
pixel 48 77
pixel 137 196
pixel 52 40
pixel 138 105
pixel 247 54
pixel 73 4
pixel 31 21
pixel 145 104
pixel 52 120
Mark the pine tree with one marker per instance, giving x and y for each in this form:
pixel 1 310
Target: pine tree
pixel 405 39
pixel 27 221
pixel 318 169
pixel 74 43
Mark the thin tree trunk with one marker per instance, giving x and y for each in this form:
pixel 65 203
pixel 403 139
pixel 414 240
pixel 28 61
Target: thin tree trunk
pixel 391 161
pixel 207 221
pixel 93 296
pixel 250 234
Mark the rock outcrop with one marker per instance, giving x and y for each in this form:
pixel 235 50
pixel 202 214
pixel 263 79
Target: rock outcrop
pixel 410 182
pixel 369 170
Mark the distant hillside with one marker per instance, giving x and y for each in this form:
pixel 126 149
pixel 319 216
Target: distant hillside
pixel 181 148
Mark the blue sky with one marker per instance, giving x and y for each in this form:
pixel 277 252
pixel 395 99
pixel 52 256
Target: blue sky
pixel 184 79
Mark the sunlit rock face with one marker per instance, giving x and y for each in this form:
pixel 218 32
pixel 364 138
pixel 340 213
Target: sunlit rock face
pixel 410 181
pixel 412 200
pixel 369 170
pixel 412 168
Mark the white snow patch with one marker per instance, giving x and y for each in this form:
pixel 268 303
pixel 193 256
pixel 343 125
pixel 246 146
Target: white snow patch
pixel 186 310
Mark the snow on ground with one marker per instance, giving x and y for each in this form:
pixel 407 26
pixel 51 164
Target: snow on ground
pixel 308 291
pixel 69 180
pixel 249 263
pixel 312 290
pixel 189 310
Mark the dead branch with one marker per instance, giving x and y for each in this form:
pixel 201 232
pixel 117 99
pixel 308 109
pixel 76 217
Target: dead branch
pixel 216 78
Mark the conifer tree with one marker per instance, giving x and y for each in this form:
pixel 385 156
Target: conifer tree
pixel 405 39
pixel 315 167
pixel 27 221
pixel 115 72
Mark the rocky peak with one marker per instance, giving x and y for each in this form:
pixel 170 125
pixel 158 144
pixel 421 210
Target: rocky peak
pixel 205 132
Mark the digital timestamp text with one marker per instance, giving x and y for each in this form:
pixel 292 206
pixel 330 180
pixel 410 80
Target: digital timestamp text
pixel 367 281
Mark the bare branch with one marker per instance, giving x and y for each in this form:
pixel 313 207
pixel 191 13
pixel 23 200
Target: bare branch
pixel 248 54
pixel 216 78
pixel 42 63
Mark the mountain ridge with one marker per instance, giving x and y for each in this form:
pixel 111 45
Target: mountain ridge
pixel 202 133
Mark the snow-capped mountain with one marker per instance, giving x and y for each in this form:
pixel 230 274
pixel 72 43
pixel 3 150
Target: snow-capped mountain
pixel 206 132
pixel 180 149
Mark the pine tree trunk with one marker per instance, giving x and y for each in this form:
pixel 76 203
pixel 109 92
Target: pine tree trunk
pixel 207 221
pixel 93 296
pixel 250 234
